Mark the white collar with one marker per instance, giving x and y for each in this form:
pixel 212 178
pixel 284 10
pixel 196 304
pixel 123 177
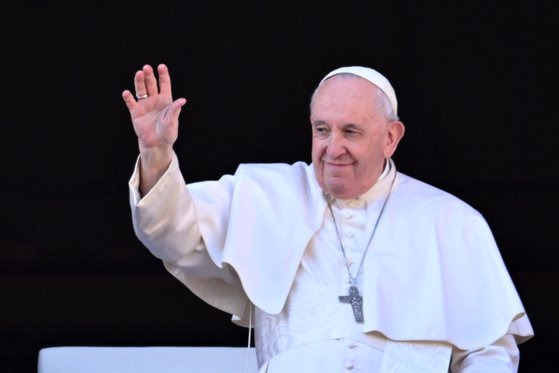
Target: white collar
pixel 379 188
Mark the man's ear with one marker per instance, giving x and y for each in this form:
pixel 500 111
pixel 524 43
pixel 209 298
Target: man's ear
pixel 395 132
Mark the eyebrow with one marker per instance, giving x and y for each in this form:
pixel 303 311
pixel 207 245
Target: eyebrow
pixel 351 125
pixel 321 122
pixel 318 122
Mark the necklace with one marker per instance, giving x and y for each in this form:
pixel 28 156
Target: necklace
pixel 354 298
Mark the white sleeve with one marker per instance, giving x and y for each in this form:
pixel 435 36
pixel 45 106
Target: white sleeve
pixel 500 357
pixel 166 222
pixel 164 219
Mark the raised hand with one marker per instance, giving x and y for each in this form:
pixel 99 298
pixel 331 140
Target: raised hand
pixel 155 117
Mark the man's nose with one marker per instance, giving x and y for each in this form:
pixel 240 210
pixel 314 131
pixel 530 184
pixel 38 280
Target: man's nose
pixel 336 146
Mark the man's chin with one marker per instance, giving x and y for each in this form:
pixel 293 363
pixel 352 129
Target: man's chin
pixel 338 190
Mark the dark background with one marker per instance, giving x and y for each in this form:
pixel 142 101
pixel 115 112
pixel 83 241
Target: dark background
pixel 476 84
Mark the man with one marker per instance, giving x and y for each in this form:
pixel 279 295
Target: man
pixel 347 263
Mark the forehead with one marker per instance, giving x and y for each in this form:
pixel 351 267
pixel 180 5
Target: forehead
pixel 344 95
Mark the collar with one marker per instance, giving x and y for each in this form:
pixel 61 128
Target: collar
pixel 378 189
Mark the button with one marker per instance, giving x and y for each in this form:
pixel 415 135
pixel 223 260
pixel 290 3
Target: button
pixel 349 261
pixel 348 234
pixel 348 216
pixel 349 367
pixel 352 346
pixel 351 203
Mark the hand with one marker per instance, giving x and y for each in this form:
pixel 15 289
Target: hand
pixel 155 117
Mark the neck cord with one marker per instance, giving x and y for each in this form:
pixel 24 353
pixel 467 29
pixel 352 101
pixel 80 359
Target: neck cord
pixel 247 355
pixel 352 279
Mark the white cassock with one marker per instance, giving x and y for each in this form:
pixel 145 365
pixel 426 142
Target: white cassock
pixel 436 293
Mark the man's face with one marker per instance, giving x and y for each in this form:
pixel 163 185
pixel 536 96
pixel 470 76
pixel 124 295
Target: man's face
pixel 351 136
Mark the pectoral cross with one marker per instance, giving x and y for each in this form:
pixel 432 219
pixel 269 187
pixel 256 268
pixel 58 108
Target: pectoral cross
pixel 356 302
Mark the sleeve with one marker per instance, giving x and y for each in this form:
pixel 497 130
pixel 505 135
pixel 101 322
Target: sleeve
pixel 500 357
pixel 165 221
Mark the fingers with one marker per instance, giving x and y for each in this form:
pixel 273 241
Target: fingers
pixel 164 80
pixel 128 99
pixel 177 105
pixel 140 84
pixel 174 109
pixel 150 80
pixel 145 82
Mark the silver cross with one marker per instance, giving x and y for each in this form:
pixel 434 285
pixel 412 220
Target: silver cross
pixel 356 302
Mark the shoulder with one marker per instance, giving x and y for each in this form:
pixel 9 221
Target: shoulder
pixel 275 180
pixel 425 198
pixel 440 217
pixel 271 169
pixel 247 172
pixel 273 175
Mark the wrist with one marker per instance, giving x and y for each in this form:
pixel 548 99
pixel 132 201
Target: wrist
pixel 154 161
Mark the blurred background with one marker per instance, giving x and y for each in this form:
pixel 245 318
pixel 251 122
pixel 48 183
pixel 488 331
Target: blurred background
pixel 476 84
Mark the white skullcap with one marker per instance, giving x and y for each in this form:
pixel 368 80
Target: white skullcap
pixel 372 76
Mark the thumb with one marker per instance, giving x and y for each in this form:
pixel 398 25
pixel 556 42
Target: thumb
pixel 175 108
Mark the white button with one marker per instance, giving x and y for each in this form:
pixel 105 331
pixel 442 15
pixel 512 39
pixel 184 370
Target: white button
pixel 349 261
pixel 349 367
pixel 348 216
pixel 352 346
pixel 348 235
pixel 351 203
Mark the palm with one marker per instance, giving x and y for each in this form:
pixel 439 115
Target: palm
pixel 151 125
pixel 155 118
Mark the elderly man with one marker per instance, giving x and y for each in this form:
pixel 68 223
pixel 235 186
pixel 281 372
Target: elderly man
pixel 345 264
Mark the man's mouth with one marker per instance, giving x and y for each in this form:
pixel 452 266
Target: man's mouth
pixel 337 164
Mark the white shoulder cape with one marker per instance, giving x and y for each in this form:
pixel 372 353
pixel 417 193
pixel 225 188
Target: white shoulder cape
pixel 434 273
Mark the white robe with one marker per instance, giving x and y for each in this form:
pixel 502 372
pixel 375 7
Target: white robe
pixel 435 274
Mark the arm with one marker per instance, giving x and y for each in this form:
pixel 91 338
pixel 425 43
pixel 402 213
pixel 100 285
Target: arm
pixel 166 222
pixel 155 117
pixel 164 219
pixel 500 357
pixel 162 208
